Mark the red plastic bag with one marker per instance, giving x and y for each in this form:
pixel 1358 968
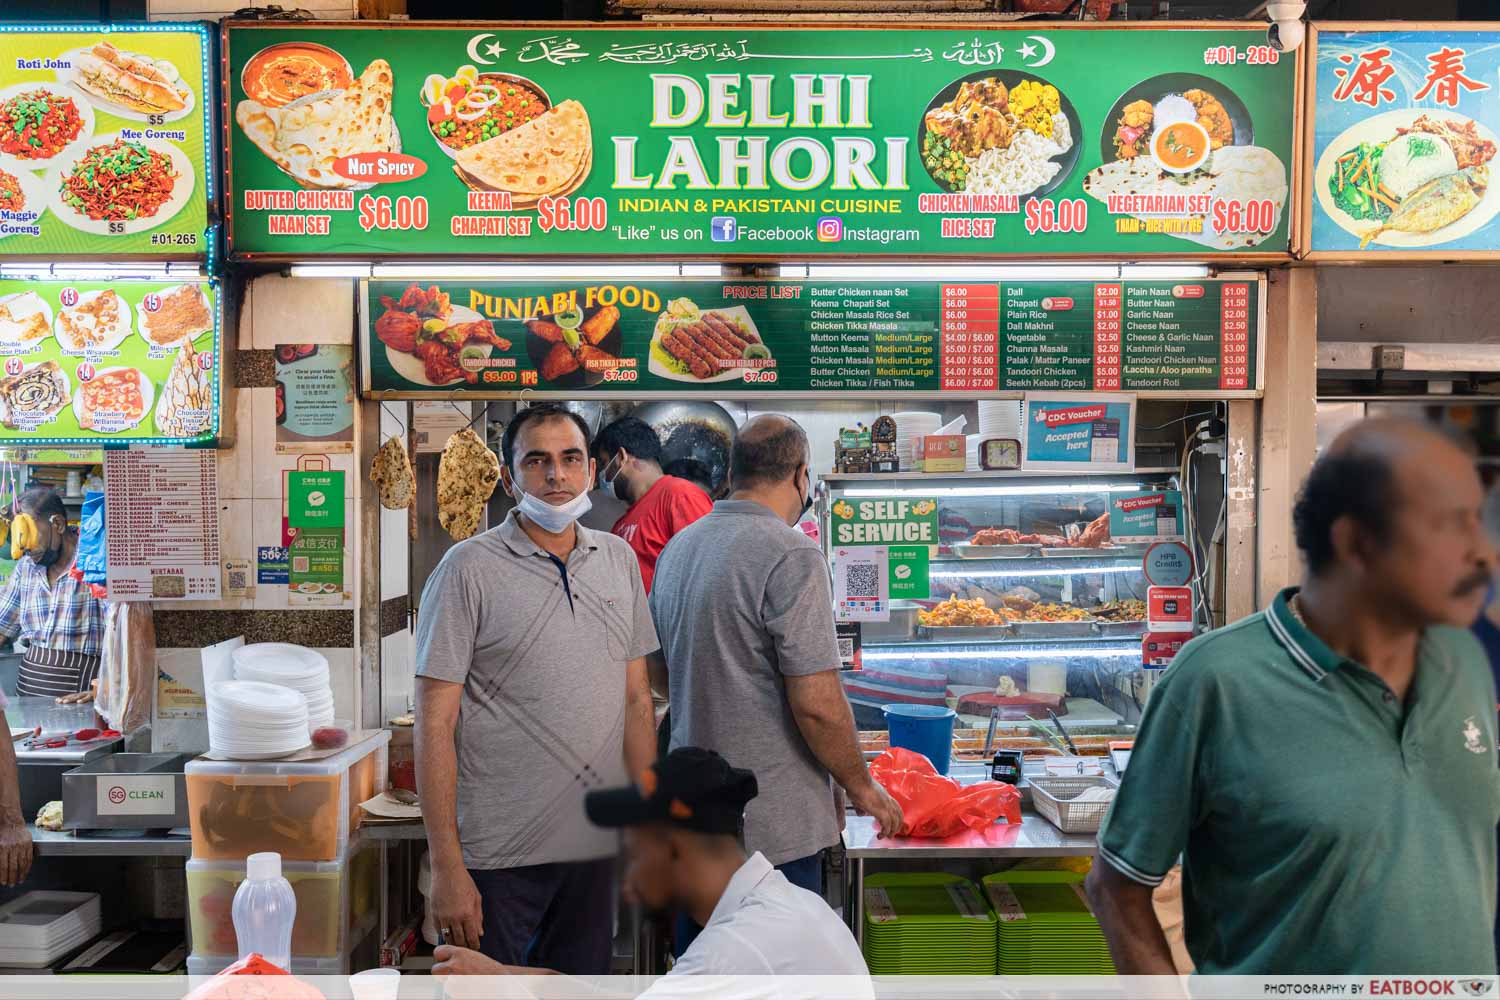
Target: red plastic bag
pixel 254 978
pixel 935 806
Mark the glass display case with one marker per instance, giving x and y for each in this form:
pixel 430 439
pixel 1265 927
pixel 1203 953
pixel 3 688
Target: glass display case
pixel 1012 596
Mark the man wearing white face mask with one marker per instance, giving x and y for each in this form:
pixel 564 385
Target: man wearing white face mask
pixel 532 691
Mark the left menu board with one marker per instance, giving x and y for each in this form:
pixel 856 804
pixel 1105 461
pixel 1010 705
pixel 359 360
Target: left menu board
pixel 99 362
pixel 103 143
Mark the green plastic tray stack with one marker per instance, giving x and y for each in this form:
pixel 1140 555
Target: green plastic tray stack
pixel 927 924
pixel 1045 926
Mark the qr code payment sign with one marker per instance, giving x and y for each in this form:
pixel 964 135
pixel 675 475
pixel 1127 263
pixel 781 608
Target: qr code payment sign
pixel 863 581
pixel 299 564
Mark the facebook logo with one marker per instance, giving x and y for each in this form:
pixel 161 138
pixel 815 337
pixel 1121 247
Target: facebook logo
pixel 722 229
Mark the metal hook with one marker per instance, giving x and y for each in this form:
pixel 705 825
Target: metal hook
pixel 483 410
pixel 394 416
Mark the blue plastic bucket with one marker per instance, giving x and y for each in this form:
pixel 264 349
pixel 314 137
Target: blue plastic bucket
pixel 924 729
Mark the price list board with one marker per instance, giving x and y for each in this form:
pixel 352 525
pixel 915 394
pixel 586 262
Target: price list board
pixel 761 338
pixel 162 508
pixel 1048 336
pixel 970 338
pixel 1187 336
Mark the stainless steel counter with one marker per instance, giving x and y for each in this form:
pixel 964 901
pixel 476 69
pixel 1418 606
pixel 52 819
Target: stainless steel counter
pixel 66 844
pixel 1034 838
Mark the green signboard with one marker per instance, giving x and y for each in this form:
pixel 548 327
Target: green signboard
pixel 897 521
pixel 315 500
pixel 91 362
pixel 906 526
pixel 732 337
pixel 103 142
pixel 970 141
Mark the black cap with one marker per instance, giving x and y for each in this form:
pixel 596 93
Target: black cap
pixel 689 787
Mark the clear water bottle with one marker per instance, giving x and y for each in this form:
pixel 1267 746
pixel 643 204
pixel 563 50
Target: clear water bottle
pixel 264 909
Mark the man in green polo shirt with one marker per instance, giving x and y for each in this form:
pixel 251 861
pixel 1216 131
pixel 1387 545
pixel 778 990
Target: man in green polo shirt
pixel 1326 769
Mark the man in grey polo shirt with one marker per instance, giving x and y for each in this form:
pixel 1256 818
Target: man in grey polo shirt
pixel 532 690
pixel 744 606
pixel 1327 767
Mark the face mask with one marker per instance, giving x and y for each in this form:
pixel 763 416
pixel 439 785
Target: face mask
pixel 49 557
pixel 612 483
pixel 807 500
pixel 553 519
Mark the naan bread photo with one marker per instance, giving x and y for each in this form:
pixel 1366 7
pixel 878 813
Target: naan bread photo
pixel 307 136
pixel 549 155
pixel 467 475
pixel 391 472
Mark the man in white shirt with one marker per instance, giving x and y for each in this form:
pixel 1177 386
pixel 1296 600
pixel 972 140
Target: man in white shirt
pixel 682 828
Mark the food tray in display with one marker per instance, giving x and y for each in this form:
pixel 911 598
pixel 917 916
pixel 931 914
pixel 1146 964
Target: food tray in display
pixel 1080 552
pixel 965 551
pixel 1054 630
pixel 1119 629
pixel 975 633
pixel 903 625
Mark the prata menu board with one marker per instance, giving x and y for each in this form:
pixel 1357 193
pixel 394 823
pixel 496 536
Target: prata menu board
pixel 104 150
pixel 809 338
pixel 874 140
pixel 99 362
pixel 1405 130
pixel 163 524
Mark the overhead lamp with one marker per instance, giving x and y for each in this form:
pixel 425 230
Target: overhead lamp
pixel 329 270
pixel 100 272
pixel 1164 272
pixel 932 653
pixel 957 492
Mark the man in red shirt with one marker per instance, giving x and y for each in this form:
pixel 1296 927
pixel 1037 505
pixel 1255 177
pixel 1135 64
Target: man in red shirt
pixel 628 455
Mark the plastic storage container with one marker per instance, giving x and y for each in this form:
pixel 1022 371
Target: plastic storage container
pixel 212 965
pixel 337 904
pixel 925 729
pixel 304 811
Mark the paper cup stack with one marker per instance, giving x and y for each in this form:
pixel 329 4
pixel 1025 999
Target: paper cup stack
pixel 911 425
pixel 971 451
pixel 1000 418
pixel 297 667
pixel 249 720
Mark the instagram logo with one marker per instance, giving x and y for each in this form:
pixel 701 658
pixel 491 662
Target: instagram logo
pixel 830 229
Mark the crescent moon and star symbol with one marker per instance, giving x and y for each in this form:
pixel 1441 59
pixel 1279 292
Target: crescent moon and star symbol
pixel 1029 51
pixel 492 49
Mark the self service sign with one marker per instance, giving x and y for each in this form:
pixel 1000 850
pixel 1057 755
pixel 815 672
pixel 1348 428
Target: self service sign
pixel 488 140
pixel 906 527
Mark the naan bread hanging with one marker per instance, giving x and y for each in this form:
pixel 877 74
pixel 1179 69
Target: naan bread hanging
pixel 467 475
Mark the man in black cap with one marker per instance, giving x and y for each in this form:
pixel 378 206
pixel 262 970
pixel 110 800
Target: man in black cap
pixel 682 826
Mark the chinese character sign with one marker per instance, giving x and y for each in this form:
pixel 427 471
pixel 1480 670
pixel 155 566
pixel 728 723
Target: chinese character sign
pixel 1405 129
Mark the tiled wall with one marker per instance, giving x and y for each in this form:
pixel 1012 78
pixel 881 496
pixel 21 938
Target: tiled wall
pixel 251 491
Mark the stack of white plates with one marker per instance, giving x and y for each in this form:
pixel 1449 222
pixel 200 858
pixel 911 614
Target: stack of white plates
pixel 249 720
pixel 971 451
pixel 40 927
pixel 1000 418
pixel 296 667
pixel 911 425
